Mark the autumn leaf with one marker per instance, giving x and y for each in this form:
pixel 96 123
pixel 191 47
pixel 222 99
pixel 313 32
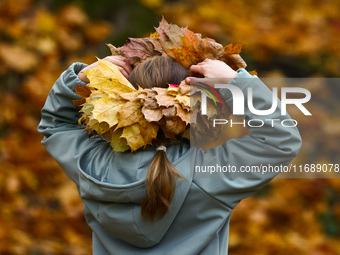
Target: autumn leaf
pixel 148 131
pixel 82 91
pixel 17 58
pixel 185 46
pixel 129 114
pixel 108 78
pixel 152 114
pixel 169 112
pixel 165 100
pixel 118 143
pixel 231 49
pixel 183 114
pixel 133 136
pixel 175 125
pixel 99 127
pixel 183 100
pixel 106 110
pixel 154 35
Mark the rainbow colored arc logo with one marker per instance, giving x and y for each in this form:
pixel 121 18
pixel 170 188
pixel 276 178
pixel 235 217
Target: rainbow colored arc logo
pixel 207 89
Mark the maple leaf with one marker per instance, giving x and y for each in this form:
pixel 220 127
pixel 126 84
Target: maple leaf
pixel 175 125
pixel 118 143
pixel 130 114
pixel 106 110
pixel 133 136
pixel 183 114
pixel 162 97
pixel 185 46
pixel 169 112
pixel 107 78
pixel 82 91
pixel 154 35
pixel 152 114
pixel 231 49
pixel 148 131
pixel 184 101
pixel 87 108
pixel 150 103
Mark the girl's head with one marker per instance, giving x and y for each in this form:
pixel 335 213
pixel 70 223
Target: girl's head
pixel 160 181
pixel 158 71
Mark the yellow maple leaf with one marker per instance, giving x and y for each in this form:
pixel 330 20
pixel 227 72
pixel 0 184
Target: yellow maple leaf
pixel 107 78
pixel 106 110
pixel 133 136
pixel 118 143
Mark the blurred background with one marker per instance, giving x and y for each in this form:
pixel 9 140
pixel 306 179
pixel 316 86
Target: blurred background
pixel 40 211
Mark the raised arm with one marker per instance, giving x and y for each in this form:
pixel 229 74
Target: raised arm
pixel 270 144
pixel 64 139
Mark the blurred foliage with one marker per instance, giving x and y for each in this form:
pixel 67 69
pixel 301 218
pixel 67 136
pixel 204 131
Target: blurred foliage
pixel 298 37
pixel 40 211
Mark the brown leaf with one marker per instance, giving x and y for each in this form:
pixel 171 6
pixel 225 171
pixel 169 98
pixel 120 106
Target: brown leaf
pixel 160 91
pixel 118 143
pixel 129 114
pixel 152 114
pixel 150 103
pixel 172 90
pixel 184 88
pixel 148 130
pixel 18 58
pixel 83 91
pixel 165 100
pixel 169 112
pixel 231 49
pixel 79 102
pixel 183 114
pixel 139 49
pixel 133 136
pixel 175 125
pixel 184 101
pixel 237 61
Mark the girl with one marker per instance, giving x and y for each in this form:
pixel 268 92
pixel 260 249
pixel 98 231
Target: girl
pixel 151 201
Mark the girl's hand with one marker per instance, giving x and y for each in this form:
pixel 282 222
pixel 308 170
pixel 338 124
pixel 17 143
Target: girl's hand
pixel 121 62
pixel 220 71
pixel 212 69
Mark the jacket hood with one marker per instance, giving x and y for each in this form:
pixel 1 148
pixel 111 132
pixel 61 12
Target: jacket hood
pixel 112 195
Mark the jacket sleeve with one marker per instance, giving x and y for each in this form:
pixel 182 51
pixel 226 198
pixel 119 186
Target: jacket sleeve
pixel 64 139
pixel 272 144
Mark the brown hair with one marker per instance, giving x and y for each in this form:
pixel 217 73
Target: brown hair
pixel 158 71
pixel 160 180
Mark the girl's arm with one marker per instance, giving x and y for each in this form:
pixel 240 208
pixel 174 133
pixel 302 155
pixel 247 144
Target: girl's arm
pixel 64 139
pixel 266 145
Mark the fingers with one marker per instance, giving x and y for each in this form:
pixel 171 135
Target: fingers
pixel 83 77
pixel 192 80
pixel 201 67
pixel 123 71
pixel 197 69
pixel 122 63
pixel 196 81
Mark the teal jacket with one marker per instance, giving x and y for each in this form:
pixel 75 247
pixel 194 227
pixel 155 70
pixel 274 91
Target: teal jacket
pixel 112 186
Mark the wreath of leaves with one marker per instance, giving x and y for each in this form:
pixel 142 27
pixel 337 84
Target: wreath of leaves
pixel 131 118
